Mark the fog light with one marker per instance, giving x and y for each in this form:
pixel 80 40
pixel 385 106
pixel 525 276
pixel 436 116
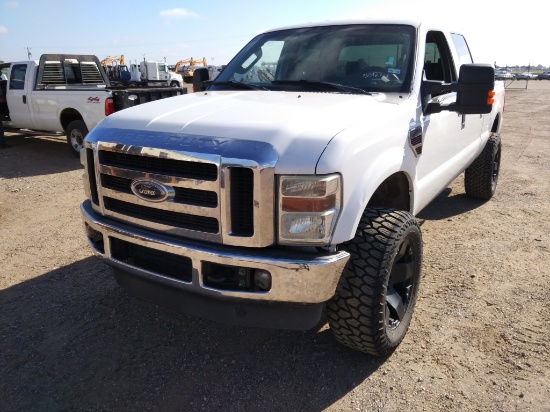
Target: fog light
pixel 96 238
pixel 262 279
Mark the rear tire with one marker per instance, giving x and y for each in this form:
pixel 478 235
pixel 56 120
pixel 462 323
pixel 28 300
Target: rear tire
pixel 76 132
pixel 481 177
pixel 375 298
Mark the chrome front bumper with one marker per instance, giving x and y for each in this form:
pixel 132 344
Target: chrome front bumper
pixel 301 278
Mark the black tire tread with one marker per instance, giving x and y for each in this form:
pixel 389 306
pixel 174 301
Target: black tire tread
pixel 356 312
pixel 478 176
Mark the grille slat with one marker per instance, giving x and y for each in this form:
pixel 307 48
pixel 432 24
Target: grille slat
pixel 169 167
pixel 164 217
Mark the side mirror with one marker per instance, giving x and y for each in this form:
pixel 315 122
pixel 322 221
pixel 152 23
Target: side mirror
pixel 201 79
pixel 474 90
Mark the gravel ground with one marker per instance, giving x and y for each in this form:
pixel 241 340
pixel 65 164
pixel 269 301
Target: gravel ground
pixel 72 339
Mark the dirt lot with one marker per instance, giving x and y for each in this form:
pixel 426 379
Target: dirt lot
pixel 72 339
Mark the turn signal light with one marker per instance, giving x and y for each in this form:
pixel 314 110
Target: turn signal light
pixel 491 97
pixel 311 204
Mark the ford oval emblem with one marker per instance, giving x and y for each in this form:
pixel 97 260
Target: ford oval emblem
pixel 151 190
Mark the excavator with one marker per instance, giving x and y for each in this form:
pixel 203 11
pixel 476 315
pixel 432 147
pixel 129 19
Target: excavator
pixel 116 69
pixel 187 66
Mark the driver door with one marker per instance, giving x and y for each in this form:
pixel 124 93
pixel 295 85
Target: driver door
pixel 17 96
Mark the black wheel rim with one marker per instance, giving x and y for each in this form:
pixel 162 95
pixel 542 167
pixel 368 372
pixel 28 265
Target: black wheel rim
pixel 401 284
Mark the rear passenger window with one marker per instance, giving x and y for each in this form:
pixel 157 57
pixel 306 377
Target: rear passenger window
pixel 464 55
pixel 438 61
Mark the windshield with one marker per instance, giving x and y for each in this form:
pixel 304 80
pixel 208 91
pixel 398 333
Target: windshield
pixel 338 59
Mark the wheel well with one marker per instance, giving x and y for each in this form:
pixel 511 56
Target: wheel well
pixel 394 192
pixel 496 124
pixel 68 115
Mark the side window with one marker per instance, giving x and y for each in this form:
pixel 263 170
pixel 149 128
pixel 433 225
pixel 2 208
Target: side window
pixel 438 62
pixel 17 77
pixel 464 55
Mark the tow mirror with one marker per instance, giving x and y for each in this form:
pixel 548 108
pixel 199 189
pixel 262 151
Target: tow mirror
pixel 474 90
pixel 201 79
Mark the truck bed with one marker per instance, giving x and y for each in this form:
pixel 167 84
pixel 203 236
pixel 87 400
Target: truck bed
pixel 129 97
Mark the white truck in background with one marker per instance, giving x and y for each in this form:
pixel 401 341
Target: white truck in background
pixel 153 74
pixel 289 186
pixel 66 94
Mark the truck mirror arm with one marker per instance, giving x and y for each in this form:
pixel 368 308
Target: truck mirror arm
pixel 474 90
pixel 472 98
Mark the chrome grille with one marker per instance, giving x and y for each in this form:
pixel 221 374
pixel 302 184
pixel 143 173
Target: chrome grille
pixel 170 167
pixel 217 199
pixel 183 195
pixel 164 217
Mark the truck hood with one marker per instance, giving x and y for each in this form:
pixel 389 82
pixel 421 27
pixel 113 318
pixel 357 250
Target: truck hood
pixel 298 125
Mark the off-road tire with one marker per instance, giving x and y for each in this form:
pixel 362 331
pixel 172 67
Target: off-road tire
pixel 76 132
pixel 382 275
pixel 481 177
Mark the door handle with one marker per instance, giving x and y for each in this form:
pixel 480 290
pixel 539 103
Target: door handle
pixel 24 99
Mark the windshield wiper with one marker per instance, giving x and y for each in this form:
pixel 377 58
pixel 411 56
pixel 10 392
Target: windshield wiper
pixel 334 86
pixel 243 85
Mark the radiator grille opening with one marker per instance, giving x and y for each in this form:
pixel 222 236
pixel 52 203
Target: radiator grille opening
pixel 91 175
pixel 164 263
pixel 164 217
pixel 242 202
pixel 169 167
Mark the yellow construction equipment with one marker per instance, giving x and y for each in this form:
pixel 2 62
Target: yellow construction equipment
pixel 113 60
pixel 187 66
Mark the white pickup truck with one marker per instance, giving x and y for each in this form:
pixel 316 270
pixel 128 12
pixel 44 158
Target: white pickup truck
pixel 66 94
pixel 290 186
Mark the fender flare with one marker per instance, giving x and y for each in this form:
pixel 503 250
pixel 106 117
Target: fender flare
pixel 386 164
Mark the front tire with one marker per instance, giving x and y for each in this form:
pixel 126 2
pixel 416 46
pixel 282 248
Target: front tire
pixel 481 177
pixel 375 298
pixel 76 132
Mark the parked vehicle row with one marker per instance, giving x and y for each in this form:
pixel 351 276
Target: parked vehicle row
pixel 506 74
pixel 525 76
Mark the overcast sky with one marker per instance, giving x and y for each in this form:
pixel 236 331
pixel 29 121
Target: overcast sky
pixel 507 34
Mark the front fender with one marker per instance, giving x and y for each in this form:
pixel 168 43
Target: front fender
pixel 362 188
pixel 364 168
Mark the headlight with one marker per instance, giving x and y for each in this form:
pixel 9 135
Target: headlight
pixel 308 208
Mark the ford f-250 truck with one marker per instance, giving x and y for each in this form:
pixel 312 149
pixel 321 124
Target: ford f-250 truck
pixel 291 184
pixel 63 93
